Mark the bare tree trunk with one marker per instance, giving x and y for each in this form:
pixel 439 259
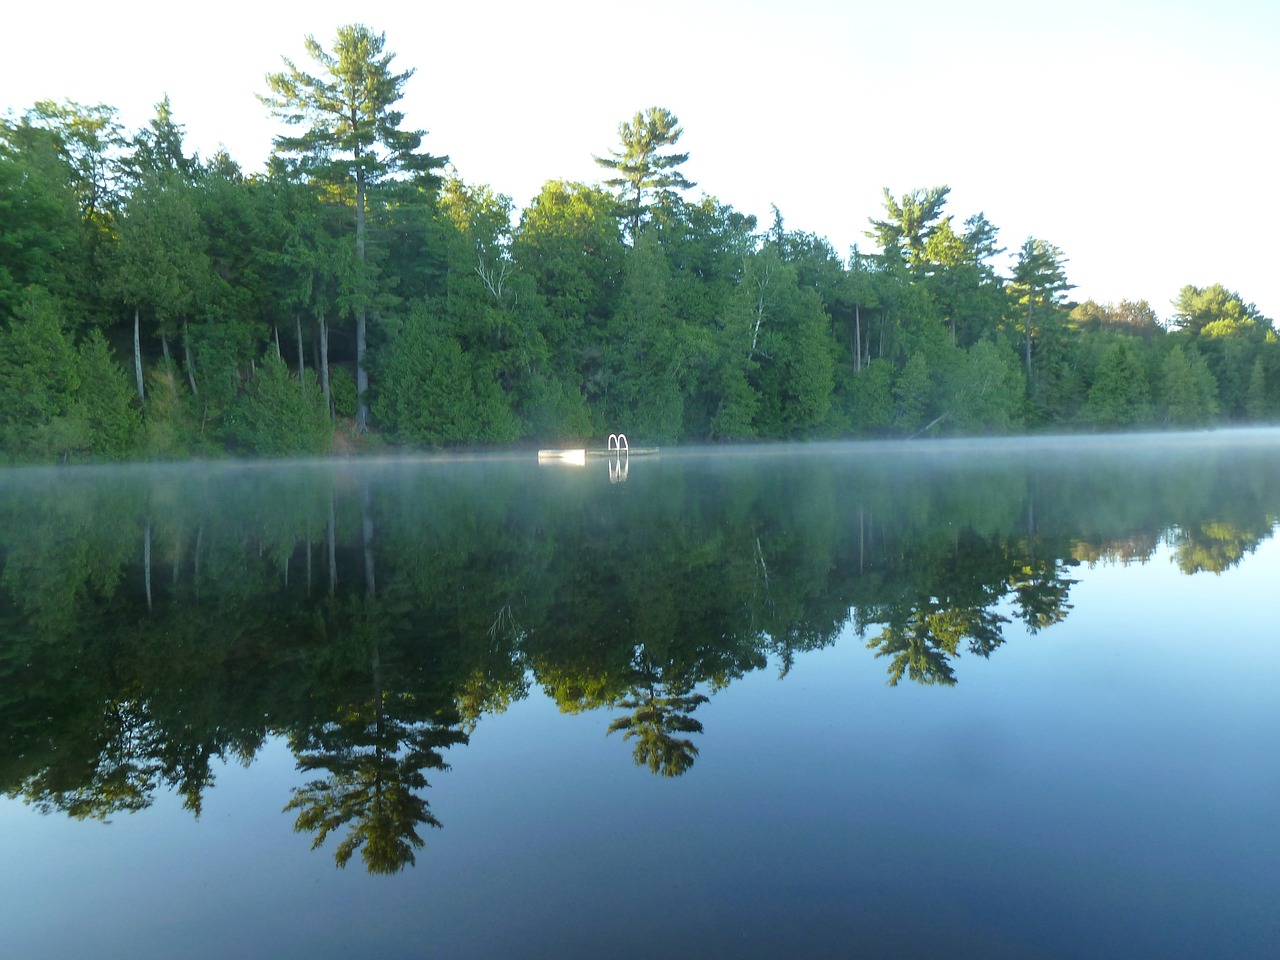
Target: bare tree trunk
pixel 857 337
pixel 1028 343
pixel 186 358
pixel 137 356
pixel 366 532
pixel 146 565
pixel 324 368
pixel 297 322
pixel 362 375
pixel 279 355
pixel 331 541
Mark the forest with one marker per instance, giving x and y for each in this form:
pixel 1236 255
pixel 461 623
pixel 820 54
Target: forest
pixel 358 296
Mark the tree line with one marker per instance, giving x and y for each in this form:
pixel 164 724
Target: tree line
pixel 155 304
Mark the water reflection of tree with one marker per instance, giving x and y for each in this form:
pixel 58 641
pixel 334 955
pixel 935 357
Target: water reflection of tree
pixel 384 723
pixel 374 748
pixel 265 617
pixel 1213 546
pixel 375 762
pixel 949 595
pixel 661 706
pixel 920 641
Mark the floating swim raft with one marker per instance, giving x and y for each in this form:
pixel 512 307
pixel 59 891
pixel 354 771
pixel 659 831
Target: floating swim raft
pixel 582 453
pixel 615 446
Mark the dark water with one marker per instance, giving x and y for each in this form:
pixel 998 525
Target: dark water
pixel 1011 699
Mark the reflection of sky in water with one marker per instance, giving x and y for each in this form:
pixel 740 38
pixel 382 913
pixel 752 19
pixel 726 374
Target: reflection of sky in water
pixel 1107 787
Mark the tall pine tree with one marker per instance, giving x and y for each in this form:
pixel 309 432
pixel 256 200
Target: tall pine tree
pixel 352 136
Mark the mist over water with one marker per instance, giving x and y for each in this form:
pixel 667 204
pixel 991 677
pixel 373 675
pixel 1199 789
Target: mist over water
pixel 966 698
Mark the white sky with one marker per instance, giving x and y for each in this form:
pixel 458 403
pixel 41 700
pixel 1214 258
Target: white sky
pixel 1140 136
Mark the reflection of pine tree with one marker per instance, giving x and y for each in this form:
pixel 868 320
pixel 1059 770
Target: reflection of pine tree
pixel 1040 594
pixel 376 748
pixel 661 710
pixel 915 652
pixel 375 763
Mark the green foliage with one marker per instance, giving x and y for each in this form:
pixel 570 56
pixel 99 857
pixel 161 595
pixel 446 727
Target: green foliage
pixel 871 398
pixel 1257 402
pixel 645 396
pixel 342 387
pixel 280 415
pixel 1215 311
pixel 739 404
pixel 353 140
pixel 912 393
pixel 1190 391
pixel 59 402
pixel 171 428
pixel 347 111
pixel 1120 395
pixel 641 168
pixel 911 224
pixel 986 391
pixel 430 394
pixel 635 310
pixel 41 240
pixel 107 400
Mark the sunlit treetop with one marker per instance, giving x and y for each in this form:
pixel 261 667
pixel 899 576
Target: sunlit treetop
pixel 347 110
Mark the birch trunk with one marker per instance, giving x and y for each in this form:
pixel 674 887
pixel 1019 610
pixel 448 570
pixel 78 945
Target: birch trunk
pixel 324 368
pixel 186 358
pixel 137 356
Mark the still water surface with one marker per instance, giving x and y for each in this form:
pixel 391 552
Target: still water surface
pixel 1001 699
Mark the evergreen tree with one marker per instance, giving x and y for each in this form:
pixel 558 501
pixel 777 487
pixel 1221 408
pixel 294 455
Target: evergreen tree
pixel 1038 286
pixel 352 138
pixel 1119 395
pixel 642 169
pixel 910 224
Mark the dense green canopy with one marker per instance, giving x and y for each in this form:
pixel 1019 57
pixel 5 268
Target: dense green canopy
pixel 154 303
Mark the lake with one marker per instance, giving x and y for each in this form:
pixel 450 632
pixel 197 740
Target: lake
pixel 1008 698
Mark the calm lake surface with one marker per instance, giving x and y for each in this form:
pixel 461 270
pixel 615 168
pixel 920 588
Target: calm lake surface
pixel 975 699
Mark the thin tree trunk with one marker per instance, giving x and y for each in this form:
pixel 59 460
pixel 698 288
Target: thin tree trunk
pixel 366 531
pixel 324 368
pixel 362 376
pixel 331 541
pixel 146 565
pixel 857 337
pixel 164 348
pixel 137 356
pixel 297 322
pixel 1028 343
pixel 279 355
pixel 186 358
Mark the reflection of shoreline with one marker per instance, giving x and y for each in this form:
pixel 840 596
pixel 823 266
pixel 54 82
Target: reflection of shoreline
pixel 154 621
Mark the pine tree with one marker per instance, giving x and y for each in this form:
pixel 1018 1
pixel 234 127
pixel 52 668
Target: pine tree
pixel 640 166
pixel 352 136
